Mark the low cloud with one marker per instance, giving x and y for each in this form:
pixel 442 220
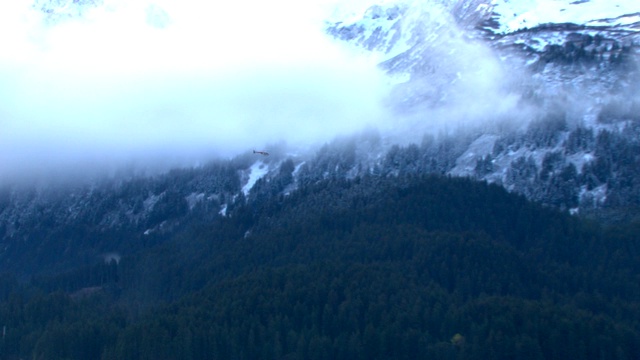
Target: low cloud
pixel 172 82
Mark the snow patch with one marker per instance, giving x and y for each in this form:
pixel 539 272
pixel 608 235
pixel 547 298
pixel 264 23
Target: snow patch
pixel 150 202
pixel 594 197
pixel 256 172
pixel 223 210
pixel 193 199
pixel 466 163
pixel 579 159
pixel 297 169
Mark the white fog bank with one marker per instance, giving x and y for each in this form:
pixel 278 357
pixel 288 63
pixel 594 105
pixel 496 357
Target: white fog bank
pixel 94 87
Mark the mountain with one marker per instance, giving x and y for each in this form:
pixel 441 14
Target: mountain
pixel 481 90
pixel 496 217
pixel 548 89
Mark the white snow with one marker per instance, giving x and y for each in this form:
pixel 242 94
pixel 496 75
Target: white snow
pixel 150 202
pixel 256 172
pixel 514 15
pixel 579 159
pixel 540 42
pixel 466 163
pixel 297 169
pixel 193 199
pixel 399 35
pixel 595 197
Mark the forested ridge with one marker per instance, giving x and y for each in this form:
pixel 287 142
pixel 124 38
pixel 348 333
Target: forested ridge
pixel 405 267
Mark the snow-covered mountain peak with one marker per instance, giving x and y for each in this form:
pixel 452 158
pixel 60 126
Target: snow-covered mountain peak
pixel 435 38
pixel 393 28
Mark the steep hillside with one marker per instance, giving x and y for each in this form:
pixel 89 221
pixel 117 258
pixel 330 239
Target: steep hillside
pixel 540 102
pixel 406 267
pixel 495 215
pixel 52 228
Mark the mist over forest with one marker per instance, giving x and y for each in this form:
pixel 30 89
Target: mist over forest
pixel 92 90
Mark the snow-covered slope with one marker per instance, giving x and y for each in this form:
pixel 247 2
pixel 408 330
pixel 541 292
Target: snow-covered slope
pixel 620 15
pixel 503 69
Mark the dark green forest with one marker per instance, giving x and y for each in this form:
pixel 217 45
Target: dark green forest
pixel 407 267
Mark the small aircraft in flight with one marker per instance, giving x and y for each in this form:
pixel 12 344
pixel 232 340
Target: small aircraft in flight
pixel 261 153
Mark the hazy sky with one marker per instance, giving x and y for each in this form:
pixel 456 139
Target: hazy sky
pixel 131 82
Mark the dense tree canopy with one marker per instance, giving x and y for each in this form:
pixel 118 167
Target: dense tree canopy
pixel 407 267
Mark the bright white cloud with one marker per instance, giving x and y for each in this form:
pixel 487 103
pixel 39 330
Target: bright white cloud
pixel 114 85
